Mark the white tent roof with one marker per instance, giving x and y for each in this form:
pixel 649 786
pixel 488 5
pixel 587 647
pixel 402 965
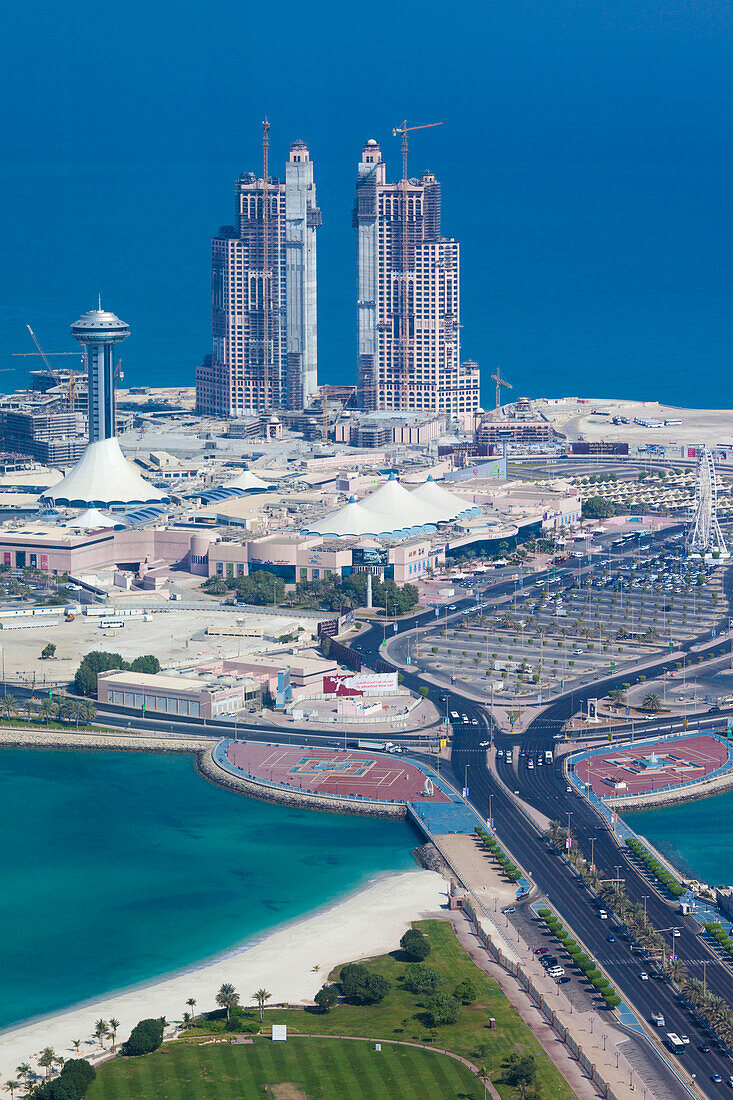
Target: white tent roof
pixel 397 507
pixel 448 505
pixel 103 477
pixel 392 510
pixel 352 519
pixel 247 481
pixel 92 520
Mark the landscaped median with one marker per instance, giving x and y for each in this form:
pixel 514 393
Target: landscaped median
pixel 508 866
pixel 584 962
pixel 721 937
pixel 660 872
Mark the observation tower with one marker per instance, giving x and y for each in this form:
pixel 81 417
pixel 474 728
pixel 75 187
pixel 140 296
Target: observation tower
pixel 99 331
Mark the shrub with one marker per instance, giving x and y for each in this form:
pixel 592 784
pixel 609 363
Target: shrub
pixel 466 992
pixel 326 998
pixel 416 944
pixel 422 979
pixel 362 986
pixel 443 1009
pixel 145 1037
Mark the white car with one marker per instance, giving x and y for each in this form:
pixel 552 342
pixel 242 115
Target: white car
pixel 675 931
pixel 644 976
pixel 603 914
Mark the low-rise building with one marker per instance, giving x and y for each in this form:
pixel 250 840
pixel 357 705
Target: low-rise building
pixel 191 695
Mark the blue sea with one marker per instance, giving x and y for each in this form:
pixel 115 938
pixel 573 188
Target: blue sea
pixel 585 156
pixel 117 868
pixel 690 835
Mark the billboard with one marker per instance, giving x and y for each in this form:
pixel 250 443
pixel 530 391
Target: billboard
pixel 368 555
pixel 363 683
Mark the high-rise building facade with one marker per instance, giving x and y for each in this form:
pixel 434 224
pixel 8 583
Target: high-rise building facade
pixel 263 276
pixel 408 297
pixel 99 331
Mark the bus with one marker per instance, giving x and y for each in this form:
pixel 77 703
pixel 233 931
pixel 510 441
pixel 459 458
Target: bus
pixel 674 1043
pixel 108 624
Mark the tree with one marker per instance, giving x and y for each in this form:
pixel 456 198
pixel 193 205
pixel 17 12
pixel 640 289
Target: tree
pixel 24 1073
pixel 76 1043
pixel 11 1086
pixel 466 991
pixel 362 986
pixel 416 944
pixel 100 1030
pixel 191 1002
pixel 48 652
pixel 261 996
pixel 422 979
pixel 147 663
pixel 227 997
pixel 145 1037
pixel 443 1008
pixel 652 702
pixel 48 710
pixel 521 1073
pixel 326 998
pixel 47 1059
pixel 77 1076
pixel 113 1027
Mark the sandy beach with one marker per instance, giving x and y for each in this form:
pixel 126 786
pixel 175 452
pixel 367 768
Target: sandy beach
pixel 367 923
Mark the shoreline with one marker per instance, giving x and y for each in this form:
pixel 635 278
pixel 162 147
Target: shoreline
pixel 367 922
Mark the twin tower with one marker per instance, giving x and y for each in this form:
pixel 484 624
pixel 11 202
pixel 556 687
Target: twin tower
pixel 264 298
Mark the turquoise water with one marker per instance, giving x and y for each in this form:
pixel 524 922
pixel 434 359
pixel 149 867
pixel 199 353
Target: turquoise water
pixel 117 868
pixel 695 836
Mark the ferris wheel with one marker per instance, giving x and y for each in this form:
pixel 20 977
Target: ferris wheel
pixel 704 536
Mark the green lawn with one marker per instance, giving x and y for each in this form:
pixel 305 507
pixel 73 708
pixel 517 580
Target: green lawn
pixel 301 1069
pixel 401 1016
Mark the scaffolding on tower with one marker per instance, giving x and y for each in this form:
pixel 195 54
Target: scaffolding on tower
pixel 704 537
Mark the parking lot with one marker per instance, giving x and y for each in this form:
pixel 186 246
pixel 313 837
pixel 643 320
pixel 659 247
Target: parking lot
pixel 563 632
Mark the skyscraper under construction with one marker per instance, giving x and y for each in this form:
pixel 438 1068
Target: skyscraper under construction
pixel 263 279
pixel 408 297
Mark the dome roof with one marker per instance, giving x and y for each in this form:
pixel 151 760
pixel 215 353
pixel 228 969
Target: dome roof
pixel 103 477
pixel 99 322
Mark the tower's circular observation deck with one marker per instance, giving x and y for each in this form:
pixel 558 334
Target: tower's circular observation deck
pixel 99 326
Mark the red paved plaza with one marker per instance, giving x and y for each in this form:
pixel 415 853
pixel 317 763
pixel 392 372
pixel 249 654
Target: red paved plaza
pixel 640 769
pixel 333 771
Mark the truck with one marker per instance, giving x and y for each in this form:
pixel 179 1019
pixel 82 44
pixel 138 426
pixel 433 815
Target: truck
pixel 378 746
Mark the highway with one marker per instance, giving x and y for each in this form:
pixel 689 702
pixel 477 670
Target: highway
pixel 545 789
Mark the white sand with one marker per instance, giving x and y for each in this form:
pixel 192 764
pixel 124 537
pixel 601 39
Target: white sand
pixel 367 923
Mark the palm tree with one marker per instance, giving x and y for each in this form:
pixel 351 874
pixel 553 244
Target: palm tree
pixel 25 1072
pixel 227 998
pixel 28 707
pixel 261 996
pixel 76 1043
pixel 48 710
pixel 86 711
pixel 11 1086
pixel 9 706
pixel 47 1059
pixel 100 1030
pixel 652 702
pixel 113 1026
pixel 191 1002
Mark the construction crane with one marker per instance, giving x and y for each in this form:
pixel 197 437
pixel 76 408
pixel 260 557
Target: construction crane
pixel 499 383
pixel 266 261
pixel 46 356
pixel 404 129
pixel 404 334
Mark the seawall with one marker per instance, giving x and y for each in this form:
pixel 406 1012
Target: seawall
pixel 207 766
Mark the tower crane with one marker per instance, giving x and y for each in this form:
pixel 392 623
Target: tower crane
pixel 404 334
pixel 46 356
pixel 499 383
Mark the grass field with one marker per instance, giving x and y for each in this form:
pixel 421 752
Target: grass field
pixel 301 1069
pixel 401 1015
